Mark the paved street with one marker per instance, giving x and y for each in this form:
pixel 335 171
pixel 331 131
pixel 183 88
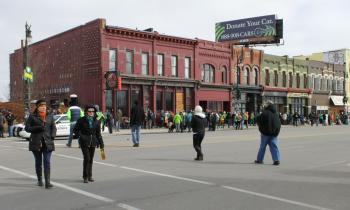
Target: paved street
pixel 161 174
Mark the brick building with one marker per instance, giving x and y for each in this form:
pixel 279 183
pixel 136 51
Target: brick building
pixel 161 72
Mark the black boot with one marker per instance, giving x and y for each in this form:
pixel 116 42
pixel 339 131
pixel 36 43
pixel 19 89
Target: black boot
pixel 40 178
pixel 48 185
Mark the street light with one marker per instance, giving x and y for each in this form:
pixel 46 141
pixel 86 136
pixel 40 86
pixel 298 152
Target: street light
pixel 238 72
pixel 27 71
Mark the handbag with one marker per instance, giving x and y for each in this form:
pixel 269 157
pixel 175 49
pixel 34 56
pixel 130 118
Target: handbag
pixel 103 154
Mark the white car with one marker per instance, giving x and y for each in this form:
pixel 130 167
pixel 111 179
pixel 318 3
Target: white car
pixel 62 125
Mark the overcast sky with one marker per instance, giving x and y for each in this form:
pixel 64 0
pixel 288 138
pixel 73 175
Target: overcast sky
pixel 309 25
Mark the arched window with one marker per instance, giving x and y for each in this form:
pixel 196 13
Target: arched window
pixel 245 76
pixel 248 75
pixel 208 73
pixel 224 74
pixel 238 75
pixel 255 76
pixel 267 77
pixel 284 78
pixel 329 86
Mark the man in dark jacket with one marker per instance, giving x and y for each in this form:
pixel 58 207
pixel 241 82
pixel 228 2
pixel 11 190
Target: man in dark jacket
pixel 198 126
pixel 42 129
pixel 136 120
pixel 88 128
pixel 269 127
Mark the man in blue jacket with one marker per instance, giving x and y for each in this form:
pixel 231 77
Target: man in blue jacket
pixel 269 127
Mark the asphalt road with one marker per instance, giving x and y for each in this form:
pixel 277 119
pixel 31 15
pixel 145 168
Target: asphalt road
pixel 161 174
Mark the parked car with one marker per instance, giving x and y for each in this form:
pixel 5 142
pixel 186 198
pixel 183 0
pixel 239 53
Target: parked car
pixel 62 125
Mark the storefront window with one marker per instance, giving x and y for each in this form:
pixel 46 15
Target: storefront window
pixel 169 102
pixel 159 101
pixel 108 99
pixel 135 96
pixel 122 102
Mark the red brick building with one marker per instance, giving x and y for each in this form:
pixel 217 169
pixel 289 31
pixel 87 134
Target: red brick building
pixel 161 72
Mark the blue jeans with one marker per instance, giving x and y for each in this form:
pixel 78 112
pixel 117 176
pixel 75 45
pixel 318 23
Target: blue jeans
pixel 135 132
pixel 272 142
pixel 38 155
pixel 10 130
pixel 72 125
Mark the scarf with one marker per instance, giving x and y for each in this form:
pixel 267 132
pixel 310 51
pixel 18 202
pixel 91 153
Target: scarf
pixel 91 121
pixel 42 116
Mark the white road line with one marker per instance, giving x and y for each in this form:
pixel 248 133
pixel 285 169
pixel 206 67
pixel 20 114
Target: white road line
pixel 128 207
pixel 275 198
pixel 76 190
pixel 76 158
pixel 167 175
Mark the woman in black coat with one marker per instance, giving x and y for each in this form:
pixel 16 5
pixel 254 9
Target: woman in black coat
pixel 42 127
pixel 88 129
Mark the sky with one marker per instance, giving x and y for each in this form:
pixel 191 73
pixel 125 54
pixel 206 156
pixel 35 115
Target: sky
pixel 309 25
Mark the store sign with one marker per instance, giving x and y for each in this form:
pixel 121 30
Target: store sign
pixel 298 95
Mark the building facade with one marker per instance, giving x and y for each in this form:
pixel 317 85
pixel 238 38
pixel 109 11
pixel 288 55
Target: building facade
pixel 246 75
pixel 285 81
pixel 160 72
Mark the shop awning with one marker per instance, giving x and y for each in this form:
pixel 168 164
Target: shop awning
pixel 337 100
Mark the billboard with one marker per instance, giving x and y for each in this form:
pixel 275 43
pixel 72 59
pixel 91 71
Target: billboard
pixel 256 30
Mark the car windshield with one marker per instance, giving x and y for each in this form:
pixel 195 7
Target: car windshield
pixel 61 118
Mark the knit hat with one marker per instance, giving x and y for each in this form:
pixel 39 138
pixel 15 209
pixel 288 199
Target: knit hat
pixel 90 106
pixel 40 102
pixel 198 109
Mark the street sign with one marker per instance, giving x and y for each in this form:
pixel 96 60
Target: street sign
pixel 28 74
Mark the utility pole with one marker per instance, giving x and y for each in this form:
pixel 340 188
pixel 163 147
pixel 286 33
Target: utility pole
pixel 27 71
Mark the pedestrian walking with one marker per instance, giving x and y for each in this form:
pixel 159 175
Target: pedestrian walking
pixel 136 120
pixel 109 121
pixel 118 119
pixel 42 128
pixel 10 118
pixel 2 123
pixel 198 126
pixel 269 127
pixel 88 129
pixel 73 114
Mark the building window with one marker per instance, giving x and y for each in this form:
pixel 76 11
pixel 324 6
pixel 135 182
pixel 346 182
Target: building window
pixel 224 75
pixel 267 77
pixel 276 78
pixel 129 62
pixel 122 102
pixel 187 68
pixel 238 75
pixel 317 83
pixel 284 79
pixel 329 84
pixel 159 101
pixel 112 60
pixel 290 79
pixel 246 76
pixel 256 76
pixel 160 59
pixel 208 73
pixel 334 85
pixel 305 81
pixel 298 80
pixel 174 66
pixel 169 101
pixel 144 58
